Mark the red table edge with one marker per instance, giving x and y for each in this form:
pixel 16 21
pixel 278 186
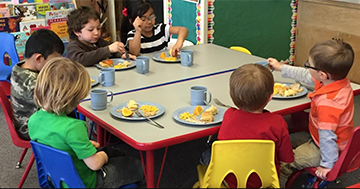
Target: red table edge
pixel 175 140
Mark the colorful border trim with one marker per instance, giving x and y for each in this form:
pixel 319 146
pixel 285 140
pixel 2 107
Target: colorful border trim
pixel 197 25
pixel 294 6
pixel 169 12
pixel 211 23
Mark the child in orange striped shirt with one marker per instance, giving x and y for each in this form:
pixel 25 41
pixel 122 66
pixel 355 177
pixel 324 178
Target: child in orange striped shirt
pixel 332 107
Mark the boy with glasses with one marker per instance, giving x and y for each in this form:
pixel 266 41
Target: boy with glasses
pixel 332 107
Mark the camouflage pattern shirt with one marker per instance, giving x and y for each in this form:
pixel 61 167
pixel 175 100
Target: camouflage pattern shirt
pixel 22 92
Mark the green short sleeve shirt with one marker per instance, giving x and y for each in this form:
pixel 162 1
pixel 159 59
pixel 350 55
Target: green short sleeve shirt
pixel 67 134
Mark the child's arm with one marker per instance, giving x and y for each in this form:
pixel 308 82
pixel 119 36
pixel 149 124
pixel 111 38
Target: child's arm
pixel 88 57
pixel 96 161
pixel 135 43
pixel 329 152
pixel 294 72
pixel 182 33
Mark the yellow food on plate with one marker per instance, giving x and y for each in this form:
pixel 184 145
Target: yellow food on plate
pixel 207 117
pixel 132 105
pixel 171 58
pixel 186 115
pixel 198 110
pixel 126 112
pixel 124 64
pixel 149 110
pixel 92 81
pixel 286 91
pixel 212 109
pixel 104 65
pixel 170 52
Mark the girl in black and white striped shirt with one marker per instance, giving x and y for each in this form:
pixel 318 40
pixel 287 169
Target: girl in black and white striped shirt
pixel 139 31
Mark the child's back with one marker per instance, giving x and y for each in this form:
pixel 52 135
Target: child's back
pixel 251 88
pixel 40 48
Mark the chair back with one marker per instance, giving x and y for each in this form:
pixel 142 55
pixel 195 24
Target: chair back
pixel 9 117
pixel 240 49
pixel 10 49
pixel 349 160
pixel 56 165
pixel 242 158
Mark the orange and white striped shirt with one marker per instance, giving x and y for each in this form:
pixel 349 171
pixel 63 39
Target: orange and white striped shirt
pixel 332 108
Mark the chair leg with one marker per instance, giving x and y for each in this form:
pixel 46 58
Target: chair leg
pixel 27 170
pixel 23 153
pixel 293 177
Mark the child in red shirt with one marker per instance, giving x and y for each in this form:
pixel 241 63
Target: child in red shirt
pixel 251 88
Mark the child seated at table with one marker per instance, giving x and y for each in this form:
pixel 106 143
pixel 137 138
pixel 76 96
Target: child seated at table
pixel 42 46
pixel 332 107
pixel 251 88
pixel 60 87
pixel 138 29
pixel 86 45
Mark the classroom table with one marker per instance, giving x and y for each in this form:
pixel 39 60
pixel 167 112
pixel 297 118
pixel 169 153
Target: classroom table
pixel 145 137
pixel 209 59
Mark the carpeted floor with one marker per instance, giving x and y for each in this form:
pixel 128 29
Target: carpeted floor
pixel 179 171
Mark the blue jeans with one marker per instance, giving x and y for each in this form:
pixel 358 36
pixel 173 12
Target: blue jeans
pixel 120 170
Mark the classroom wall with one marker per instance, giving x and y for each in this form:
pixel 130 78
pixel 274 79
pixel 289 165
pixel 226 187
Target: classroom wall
pixel 262 26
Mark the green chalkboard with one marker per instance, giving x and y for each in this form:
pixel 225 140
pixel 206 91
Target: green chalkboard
pixel 184 14
pixel 262 26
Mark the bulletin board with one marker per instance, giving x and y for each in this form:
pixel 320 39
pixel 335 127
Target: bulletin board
pixel 261 26
pixel 184 14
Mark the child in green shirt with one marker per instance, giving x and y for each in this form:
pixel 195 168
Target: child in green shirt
pixel 60 87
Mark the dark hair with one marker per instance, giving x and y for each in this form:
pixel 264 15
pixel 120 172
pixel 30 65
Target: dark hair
pixel 44 42
pixel 251 86
pixel 334 57
pixel 134 8
pixel 77 19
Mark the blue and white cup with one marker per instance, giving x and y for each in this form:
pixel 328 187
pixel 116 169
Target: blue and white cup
pixel 142 64
pixel 198 95
pixel 107 77
pixel 99 99
pixel 187 58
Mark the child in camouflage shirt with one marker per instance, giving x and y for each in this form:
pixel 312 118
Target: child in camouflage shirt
pixel 42 46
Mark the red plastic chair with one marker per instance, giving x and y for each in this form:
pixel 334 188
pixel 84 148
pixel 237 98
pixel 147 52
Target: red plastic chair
pixel 348 161
pixel 17 141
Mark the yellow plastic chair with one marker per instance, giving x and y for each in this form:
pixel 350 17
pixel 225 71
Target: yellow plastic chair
pixel 242 158
pixel 240 49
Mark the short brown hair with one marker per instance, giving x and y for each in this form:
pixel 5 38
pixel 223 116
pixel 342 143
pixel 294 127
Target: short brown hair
pixel 251 85
pixel 77 19
pixel 334 57
pixel 61 85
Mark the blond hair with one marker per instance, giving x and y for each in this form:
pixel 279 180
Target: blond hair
pixel 251 86
pixel 61 85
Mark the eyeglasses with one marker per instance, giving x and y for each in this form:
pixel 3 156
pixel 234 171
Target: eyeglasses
pixel 307 65
pixel 150 18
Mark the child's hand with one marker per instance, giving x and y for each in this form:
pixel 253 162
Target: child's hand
pixel 274 64
pixel 117 47
pixel 176 49
pixel 137 24
pixel 95 144
pixel 321 172
pixel 133 57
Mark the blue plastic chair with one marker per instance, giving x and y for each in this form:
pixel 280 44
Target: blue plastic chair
pixel 55 166
pixel 8 46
